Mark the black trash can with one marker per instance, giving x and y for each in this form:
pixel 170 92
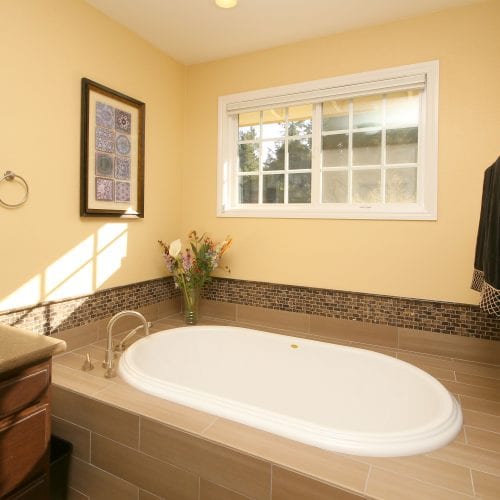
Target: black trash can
pixel 60 453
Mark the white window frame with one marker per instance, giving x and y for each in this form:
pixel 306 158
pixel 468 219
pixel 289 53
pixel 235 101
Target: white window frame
pixel 424 75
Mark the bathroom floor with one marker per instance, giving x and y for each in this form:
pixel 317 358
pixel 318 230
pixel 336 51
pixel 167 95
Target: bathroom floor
pixel 469 467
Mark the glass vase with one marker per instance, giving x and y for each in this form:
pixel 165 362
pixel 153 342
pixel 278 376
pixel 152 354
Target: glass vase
pixel 191 301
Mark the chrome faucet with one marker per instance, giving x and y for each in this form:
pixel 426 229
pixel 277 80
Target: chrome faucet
pixel 109 359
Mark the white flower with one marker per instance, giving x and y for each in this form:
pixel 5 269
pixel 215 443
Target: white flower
pixel 175 248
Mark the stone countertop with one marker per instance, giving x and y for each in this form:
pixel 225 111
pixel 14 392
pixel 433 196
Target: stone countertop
pixel 20 347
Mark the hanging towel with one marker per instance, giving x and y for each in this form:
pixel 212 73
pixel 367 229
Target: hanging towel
pixel 486 277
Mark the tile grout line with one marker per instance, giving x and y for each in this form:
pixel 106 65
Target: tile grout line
pixel 366 480
pixel 472 482
pixel 111 474
pixel 271 481
pixel 208 426
pixel 418 480
pixel 482 429
pixel 139 433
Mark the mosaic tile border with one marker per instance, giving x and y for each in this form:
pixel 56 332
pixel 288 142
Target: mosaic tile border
pixel 434 316
pixel 54 317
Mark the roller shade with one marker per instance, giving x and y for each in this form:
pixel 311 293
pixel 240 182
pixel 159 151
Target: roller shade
pixel 320 94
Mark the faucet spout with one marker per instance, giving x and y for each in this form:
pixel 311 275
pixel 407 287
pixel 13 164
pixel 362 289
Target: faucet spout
pixel 109 358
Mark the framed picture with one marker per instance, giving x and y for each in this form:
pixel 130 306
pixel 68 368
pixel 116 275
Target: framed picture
pixel 112 153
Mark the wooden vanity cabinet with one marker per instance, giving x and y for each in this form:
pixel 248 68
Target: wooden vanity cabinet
pixel 25 432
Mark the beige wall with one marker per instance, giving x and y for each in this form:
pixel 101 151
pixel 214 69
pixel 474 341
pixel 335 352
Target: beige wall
pixel 430 260
pixel 48 251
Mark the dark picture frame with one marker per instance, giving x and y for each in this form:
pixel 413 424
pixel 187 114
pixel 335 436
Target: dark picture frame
pixel 112 153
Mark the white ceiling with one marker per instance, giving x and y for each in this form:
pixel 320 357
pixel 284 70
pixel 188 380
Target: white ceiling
pixel 194 31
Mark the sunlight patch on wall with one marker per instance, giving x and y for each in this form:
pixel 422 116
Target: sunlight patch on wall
pixel 80 271
pixel 111 249
pixel 71 274
pixel 29 293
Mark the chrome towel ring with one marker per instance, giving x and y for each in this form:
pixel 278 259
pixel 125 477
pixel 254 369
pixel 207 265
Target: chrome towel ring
pixel 11 176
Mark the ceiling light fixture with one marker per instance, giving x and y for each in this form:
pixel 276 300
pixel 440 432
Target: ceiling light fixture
pixel 226 4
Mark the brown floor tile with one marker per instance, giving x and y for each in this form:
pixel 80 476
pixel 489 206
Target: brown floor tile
pixel 295 322
pixel 161 325
pixel 390 486
pixel 440 373
pixel 76 495
pixel 223 310
pixel 96 416
pixel 288 485
pixel 486 485
pixel 428 469
pixel 355 331
pixel 77 381
pixel 481 420
pixel 145 495
pixel 182 417
pixel 169 307
pixel 370 347
pixel 469 456
pixel 474 391
pixel 482 439
pixel 454 346
pixel 98 484
pixel 77 436
pixel 95 351
pixel 481 405
pixel 76 361
pixel 479 369
pixel 218 464
pixel 460 437
pixel 467 378
pixel 79 336
pixel 327 466
pixel 211 491
pixel 442 362
pixel 142 470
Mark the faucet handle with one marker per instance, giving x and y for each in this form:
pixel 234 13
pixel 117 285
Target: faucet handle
pixel 87 364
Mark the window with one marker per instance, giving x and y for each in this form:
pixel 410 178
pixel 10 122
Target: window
pixel 362 146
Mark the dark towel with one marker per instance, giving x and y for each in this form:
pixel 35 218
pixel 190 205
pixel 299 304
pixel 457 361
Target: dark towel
pixel 487 261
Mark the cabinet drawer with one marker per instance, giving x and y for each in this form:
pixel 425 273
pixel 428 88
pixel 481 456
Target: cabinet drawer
pixel 27 387
pixel 24 448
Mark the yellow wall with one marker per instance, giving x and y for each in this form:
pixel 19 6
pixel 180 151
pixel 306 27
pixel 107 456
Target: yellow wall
pixel 430 260
pixel 48 251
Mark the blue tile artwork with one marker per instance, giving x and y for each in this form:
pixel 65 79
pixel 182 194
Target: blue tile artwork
pixel 122 191
pixel 123 144
pixel 104 189
pixel 104 140
pixel 113 165
pixel 104 164
pixel 104 115
pixel 123 121
pixel 122 167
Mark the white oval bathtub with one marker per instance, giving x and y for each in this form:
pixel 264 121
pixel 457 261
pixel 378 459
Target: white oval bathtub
pixel 335 397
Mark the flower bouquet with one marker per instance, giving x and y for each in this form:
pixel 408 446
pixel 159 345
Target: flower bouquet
pixel 192 267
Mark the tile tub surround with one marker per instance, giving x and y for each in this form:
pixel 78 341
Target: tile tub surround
pixel 57 316
pixel 133 445
pixel 422 315
pixel 442 317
